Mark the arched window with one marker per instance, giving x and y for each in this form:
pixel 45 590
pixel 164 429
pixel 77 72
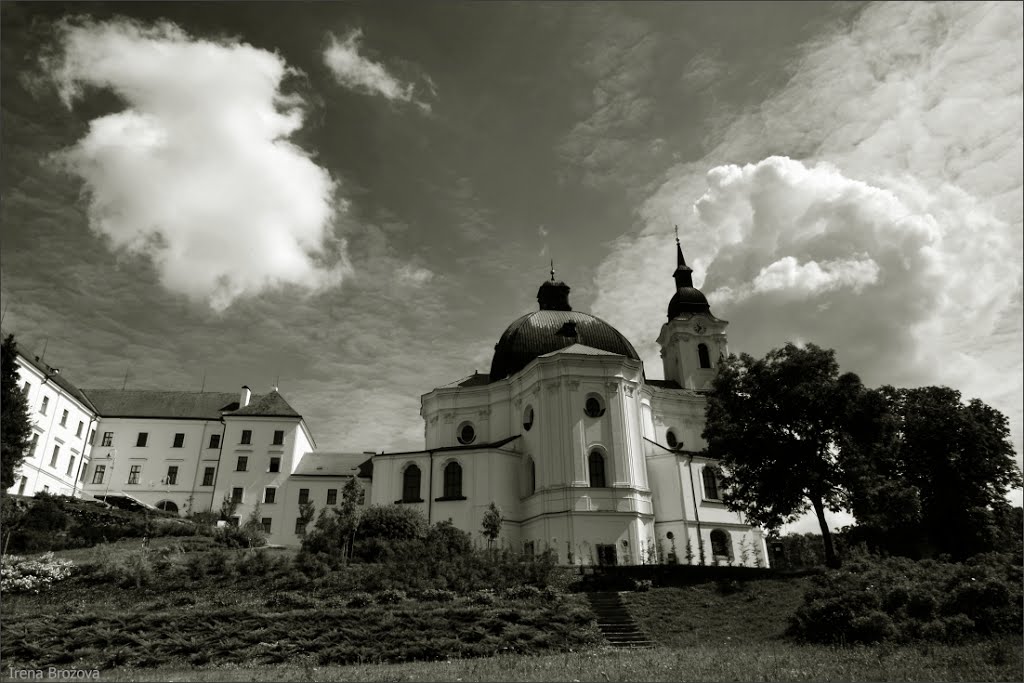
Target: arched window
pixel 453 480
pixel 411 485
pixel 168 506
pixel 528 418
pixel 711 484
pixel 705 357
pixel 593 406
pixel 531 474
pixel 596 465
pixel 721 545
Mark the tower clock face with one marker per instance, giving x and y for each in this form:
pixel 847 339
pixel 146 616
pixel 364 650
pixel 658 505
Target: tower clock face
pixel 698 328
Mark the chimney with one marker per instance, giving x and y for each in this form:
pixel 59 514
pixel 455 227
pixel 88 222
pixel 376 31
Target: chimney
pixel 246 395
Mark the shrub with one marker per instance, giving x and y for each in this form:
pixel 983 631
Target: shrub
pixel 522 593
pixel 483 597
pixel 398 522
pixel 873 599
pixel 360 600
pixel 390 596
pixel 642 585
pixel 22 575
pixel 313 565
pixel 231 536
pixel 437 595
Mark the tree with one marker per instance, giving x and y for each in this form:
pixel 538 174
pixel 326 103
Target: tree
pixel 228 507
pixel 16 425
pixel 777 426
pixel 491 524
pixel 940 485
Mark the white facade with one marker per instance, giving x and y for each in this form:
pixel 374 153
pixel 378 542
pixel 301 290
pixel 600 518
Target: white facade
pixel 62 420
pixel 584 456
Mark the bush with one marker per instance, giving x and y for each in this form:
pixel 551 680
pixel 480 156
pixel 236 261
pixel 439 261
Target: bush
pixel 231 536
pixel 872 600
pixel 522 593
pixel 360 600
pixel 397 522
pixel 22 575
pixel 483 597
pixel 437 595
pixel 390 596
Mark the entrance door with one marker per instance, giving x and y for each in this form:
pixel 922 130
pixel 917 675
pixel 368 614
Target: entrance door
pixel 606 555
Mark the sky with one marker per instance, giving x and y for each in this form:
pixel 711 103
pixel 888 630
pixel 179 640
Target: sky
pixel 351 201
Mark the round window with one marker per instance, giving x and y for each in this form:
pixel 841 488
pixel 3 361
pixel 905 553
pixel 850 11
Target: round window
pixel 466 434
pixel 671 439
pixel 594 406
pixel 528 418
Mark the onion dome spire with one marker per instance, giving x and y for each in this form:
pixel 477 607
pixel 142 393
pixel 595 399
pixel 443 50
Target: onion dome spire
pixel 687 299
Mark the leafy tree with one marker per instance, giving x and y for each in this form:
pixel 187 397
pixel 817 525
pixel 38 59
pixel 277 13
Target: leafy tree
pixel 777 426
pixel 307 511
pixel 228 507
pixel 397 522
pixel 491 524
pixel 940 484
pixel 253 527
pixel 16 425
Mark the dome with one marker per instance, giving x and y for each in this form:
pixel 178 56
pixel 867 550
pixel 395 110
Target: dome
pixel 687 300
pixel 545 331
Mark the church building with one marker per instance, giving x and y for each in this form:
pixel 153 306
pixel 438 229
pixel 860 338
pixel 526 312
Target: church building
pixel 584 455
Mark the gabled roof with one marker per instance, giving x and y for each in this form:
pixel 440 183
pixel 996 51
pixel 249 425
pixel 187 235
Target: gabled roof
pixel 53 375
pixel 268 405
pixel 580 349
pixel 194 405
pixel 332 464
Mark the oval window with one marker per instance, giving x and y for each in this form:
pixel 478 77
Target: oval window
pixel 671 440
pixel 593 407
pixel 467 434
pixel 528 418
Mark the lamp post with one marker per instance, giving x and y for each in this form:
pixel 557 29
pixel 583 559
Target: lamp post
pixel 111 456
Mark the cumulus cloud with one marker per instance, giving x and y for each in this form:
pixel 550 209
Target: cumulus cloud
pixel 894 232
pixel 355 71
pixel 197 172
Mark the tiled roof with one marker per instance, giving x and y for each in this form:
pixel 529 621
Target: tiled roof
pixel 331 464
pixel 268 405
pixel 196 405
pixel 59 379
pixel 475 380
pixel 664 383
pixel 470 447
pixel 581 349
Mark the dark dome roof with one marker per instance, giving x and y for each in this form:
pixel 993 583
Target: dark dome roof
pixel 545 331
pixel 687 300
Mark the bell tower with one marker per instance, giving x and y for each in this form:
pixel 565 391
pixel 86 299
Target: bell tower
pixel 693 340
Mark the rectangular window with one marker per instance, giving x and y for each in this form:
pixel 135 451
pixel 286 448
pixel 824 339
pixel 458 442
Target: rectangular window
pixel 35 442
pixel 71 467
pixel 303 496
pixel 97 475
pixel 275 465
pixel 46 489
pixel 243 463
pixel 92 436
pixel 25 389
pixel 246 436
pixel 236 495
pixel 235 521
pixel 278 437
pixel 81 426
pixel 108 439
pixel 24 480
pixel 266 524
pixel 208 476
pixel 172 475
pixel 300 527
pixel 269 495
pixel 53 458
pixel 332 496
pixel 64 419
pixel 141 441
pixel 133 476
pixel 81 470
pixel 214 440
pixel 45 405
pixel 179 440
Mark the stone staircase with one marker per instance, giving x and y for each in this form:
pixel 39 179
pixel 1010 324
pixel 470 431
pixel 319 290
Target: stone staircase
pixel 615 622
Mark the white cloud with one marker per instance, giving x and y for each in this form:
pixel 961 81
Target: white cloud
pixel 355 71
pixel 897 240
pixel 197 172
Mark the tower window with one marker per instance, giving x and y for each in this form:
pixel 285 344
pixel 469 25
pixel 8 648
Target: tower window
pixel 709 475
pixel 672 440
pixel 467 434
pixel 703 355
pixel 533 477
pixel 596 464
pixel 411 485
pixel 721 545
pixel 528 418
pixel 593 406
